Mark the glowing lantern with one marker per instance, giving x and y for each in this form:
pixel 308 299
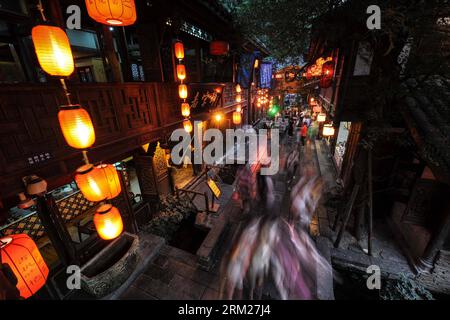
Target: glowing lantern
pixel 23 257
pixel 218 117
pixel 327 74
pixel 238 98
pixel 239 108
pixel 321 117
pixel 309 74
pixel 108 222
pixel 98 183
pixel 256 64
pixel 187 124
pixel 53 50
pixel 181 72
pixel 219 48
pixel 237 118
pixel 238 88
pixel 328 130
pixel 112 12
pixel 185 110
pixel 317 108
pixel 183 91
pixel 76 126
pixel 178 48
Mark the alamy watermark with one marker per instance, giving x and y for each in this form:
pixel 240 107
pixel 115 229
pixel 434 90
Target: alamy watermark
pixel 374 20
pixel 237 147
pixel 374 280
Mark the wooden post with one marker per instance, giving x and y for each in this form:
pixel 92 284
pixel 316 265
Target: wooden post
pixel 347 213
pixel 150 53
pixel 56 13
pixel 111 56
pixel 56 230
pixel 130 223
pixel 370 189
pixel 123 49
pixel 206 202
pixel 426 262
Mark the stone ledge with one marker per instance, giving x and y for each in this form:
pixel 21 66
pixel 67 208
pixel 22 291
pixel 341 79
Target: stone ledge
pixel 325 285
pixel 149 246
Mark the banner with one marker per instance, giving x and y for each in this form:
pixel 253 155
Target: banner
pixel 245 71
pixel 265 75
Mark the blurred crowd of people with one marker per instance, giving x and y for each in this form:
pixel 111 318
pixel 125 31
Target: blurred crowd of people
pixel 273 246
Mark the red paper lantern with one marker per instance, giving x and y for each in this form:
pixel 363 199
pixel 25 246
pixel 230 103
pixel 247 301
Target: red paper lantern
pixel 183 91
pixel 327 74
pixel 185 109
pixel 181 72
pixel 98 183
pixel 23 257
pixel 112 12
pixel 108 222
pixel 187 124
pixel 76 126
pixel 219 48
pixel 178 49
pixel 53 50
pixel 237 118
pixel 309 75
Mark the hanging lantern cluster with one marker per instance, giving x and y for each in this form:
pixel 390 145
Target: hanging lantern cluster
pixel 55 57
pixel 262 98
pixel 112 12
pixel 319 69
pixel 237 115
pixel 22 256
pixel 178 49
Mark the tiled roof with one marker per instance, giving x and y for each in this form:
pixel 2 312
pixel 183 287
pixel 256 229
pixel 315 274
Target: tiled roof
pixel 427 111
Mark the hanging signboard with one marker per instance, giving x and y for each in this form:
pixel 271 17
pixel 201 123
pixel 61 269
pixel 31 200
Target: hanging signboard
pixel 214 188
pixel 203 98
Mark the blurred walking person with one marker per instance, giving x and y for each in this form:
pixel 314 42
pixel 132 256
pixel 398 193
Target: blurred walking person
pixel 304 133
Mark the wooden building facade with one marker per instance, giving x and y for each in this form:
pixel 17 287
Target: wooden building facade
pixel 125 77
pixel 386 106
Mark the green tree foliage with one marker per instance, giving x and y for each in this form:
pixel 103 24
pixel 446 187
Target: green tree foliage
pixel 282 25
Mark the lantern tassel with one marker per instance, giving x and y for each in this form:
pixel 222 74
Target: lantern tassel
pixel 40 8
pixel 85 157
pixel 66 91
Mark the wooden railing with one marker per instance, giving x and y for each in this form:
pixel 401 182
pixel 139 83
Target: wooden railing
pixel 125 116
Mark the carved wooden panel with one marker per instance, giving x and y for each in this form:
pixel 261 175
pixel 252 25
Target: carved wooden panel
pixel 73 206
pixel 125 116
pixel 161 171
pixel 31 226
pixel 146 175
pixel 169 103
pixel 69 208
